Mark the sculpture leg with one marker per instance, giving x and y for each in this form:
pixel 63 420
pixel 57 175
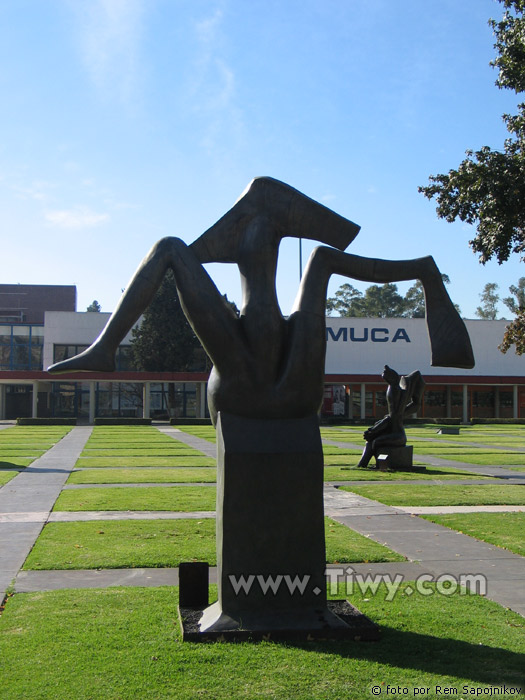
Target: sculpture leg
pixel 449 340
pixel 290 212
pixel 367 455
pixel 212 319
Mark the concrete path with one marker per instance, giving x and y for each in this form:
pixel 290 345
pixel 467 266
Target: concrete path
pixel 430 510
pixel 36 488
pixel 33 581
pixel 439 549
pixel 204 446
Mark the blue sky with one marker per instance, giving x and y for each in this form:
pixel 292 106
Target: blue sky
pixel 123 121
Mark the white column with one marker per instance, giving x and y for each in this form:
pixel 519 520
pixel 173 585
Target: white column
pixel 515 407
pixel 146 399
pixel 363 401
pixel 200 391
pixel 465 403
pixel 34 408
pixel 92 403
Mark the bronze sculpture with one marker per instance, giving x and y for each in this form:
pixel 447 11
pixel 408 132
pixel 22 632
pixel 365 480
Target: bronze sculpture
pixel 266 366
pixel 264 392
pixel 403 396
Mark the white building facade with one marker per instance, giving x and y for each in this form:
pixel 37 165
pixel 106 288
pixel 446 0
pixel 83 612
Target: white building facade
pixel 357 351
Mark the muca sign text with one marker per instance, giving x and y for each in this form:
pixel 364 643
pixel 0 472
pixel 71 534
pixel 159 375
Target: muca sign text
pixel 363 335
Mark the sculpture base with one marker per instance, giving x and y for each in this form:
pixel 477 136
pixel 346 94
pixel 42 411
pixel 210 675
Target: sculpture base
pixel 339 620
pixel 395 458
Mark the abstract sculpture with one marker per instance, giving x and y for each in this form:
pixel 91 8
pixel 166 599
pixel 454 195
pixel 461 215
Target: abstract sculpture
pixel 403 397
pixel 264 392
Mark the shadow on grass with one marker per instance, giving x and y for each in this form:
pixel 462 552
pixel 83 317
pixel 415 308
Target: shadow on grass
pixel 12 465
pixel 421 652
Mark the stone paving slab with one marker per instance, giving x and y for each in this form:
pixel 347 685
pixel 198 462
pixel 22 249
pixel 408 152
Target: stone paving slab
pixel 32 581
pixel 420 482
pixel 38 489
pixel 138 485
pixel 434 510
pixel 208 448
pixel 87 515
pixel 442 550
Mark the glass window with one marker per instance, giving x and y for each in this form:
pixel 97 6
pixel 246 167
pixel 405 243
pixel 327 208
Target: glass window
pixel 36 356
pixel 21 357
pixel 5 356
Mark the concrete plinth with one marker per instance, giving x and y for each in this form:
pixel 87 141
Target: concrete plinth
pixel 270 535
pixel 395 458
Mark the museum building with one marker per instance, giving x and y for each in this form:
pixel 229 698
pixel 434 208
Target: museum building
pixel 39 326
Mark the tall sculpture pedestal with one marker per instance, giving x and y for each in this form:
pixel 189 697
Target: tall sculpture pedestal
pixel 271 557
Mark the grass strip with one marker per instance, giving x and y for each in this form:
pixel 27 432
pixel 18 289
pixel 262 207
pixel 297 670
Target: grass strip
pixel 206 432
pixel 172 461
pixel 172 498
pixel 6 476
pixel 429 473
pixel 152 450
pixel 496 459
pixel 161 543
pixel 442 495
pixel 501 529
pixel 16 462
pixel 150 475
pixel 124 643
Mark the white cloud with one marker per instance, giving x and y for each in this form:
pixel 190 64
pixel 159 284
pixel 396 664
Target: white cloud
pixel 109 33
pixel 76 218
pixel 213 87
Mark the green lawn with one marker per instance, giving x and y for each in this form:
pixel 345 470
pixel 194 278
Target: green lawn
pixel 150 475
pixel 21 445
pixel 118 544
pixel 442 495
pixel 206 432
pixel 16 462
pixel 429 473
pixel 124 644
pixel 146 450
pixel 502 529
pixel 172 461
pixel 6 476
pixel 172 498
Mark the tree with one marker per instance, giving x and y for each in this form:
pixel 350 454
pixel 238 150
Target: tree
pixel 488 187
pixel 415 299
pixel 164 341
pixel 515 331
pixel 348 301
pixel 383 301
pixel 489 299
pixel 94 306
pixel 379 301
pixel 518 304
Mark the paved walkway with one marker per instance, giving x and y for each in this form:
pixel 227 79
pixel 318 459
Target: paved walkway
pixel 26 502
